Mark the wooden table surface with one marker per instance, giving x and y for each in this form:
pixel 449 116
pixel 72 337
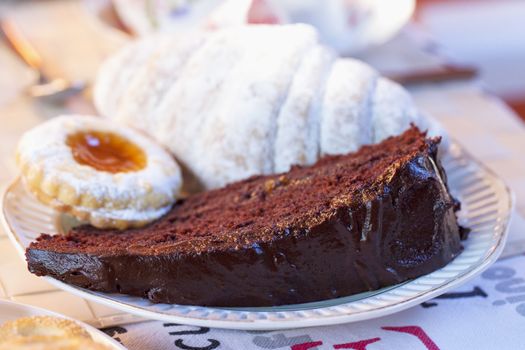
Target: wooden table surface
pixel 488 34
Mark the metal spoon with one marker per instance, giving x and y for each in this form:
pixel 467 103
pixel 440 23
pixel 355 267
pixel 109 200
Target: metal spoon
pixel 54 90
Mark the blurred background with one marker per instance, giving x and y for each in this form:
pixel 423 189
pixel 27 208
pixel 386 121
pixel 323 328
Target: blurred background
pixel 482 38
pixel 487 34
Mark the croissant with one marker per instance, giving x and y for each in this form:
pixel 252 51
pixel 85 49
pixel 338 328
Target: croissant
pixel 250 100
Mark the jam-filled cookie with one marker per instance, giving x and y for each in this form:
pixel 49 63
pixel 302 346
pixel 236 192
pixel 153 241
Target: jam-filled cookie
pixel 101 172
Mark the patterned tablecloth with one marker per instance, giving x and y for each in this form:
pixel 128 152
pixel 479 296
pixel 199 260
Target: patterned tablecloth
pixel 488 313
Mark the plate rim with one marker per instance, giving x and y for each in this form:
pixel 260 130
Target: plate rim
pixel 94 332
pixel 490 257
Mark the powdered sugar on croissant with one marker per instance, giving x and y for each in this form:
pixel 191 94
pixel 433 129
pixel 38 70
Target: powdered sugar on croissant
pixel 345 116
pixel 250 100
pixel 237 138
pixel 297 134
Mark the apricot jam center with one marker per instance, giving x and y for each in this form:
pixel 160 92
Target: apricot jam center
pixel 106 151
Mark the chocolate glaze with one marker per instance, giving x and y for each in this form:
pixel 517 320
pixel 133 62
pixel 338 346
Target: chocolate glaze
pixel 399 226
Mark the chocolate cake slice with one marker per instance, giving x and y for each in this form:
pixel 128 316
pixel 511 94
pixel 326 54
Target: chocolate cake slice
pixel 345 225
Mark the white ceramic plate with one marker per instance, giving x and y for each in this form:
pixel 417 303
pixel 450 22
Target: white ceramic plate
pixel 12 311
pixel 486 208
